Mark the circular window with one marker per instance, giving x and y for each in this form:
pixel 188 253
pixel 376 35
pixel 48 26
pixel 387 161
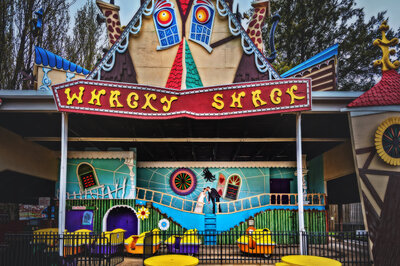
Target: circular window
pixel 387 140
pixel 183 181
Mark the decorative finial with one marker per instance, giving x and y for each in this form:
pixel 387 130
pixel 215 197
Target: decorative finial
pixel 385 44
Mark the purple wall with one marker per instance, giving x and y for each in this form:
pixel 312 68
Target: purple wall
pixel 73 221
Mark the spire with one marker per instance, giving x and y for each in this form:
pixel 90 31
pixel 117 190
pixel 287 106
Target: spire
pixel 385 44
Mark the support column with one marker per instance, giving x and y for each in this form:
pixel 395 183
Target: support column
pixel 300 200
pixel 63 178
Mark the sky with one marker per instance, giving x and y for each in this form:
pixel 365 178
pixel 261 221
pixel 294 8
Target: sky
pixel 371 8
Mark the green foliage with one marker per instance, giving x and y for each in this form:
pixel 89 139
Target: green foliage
pixel 308 27
pixel 84 47
pixel 17 40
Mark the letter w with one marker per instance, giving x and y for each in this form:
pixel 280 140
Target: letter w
pixel 70 99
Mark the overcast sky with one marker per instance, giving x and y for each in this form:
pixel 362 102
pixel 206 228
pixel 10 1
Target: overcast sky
pixel 371 7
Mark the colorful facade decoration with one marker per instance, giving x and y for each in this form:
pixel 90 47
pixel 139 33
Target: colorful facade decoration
pixel 97 175
pixel 183 181
pixel 375 133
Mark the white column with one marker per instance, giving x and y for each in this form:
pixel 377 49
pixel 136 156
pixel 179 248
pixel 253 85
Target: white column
pixel 300 183
pixel 63 178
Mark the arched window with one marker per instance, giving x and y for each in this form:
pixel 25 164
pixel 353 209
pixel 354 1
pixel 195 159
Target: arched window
pixel 232 187
pixel 87 177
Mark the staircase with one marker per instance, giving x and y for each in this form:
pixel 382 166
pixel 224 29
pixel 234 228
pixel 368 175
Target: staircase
pixel 210 227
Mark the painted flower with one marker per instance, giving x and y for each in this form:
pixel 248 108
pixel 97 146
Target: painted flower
pixel 143 213
pixel 163 224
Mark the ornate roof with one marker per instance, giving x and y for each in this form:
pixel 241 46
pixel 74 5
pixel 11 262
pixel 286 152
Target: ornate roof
pixel 315 60
pixel 387 90
pixel 46 58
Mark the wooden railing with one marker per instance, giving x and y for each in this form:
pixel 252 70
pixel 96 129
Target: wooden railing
pixel 261 200
pixel 165 199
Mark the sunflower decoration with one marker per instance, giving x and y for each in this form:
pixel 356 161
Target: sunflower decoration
pixel 387 141
pixel 143 213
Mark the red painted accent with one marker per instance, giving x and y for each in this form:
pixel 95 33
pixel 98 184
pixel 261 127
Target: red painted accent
pixel 110 36
pixel 118 30
pixel 199 103
pixel 385 92
pixel 259 40
pixel 115 16
pixel 109 20
pixel 175 76
pixel 253 32
pixel 252 23
pixel 262 10
pixel 258 33
pixel 110 29
pixel 257 26
pixel 107 13
pixel 184 6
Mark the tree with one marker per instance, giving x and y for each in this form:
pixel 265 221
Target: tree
pixel 6 36
pixel 18 45
pixel 84 47
pixel 308 27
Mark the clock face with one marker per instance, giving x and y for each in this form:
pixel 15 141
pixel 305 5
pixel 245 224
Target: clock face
pixel 387 140
pixel 183 181
pixel 391 140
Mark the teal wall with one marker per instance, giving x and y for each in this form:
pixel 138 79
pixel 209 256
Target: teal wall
pixel 109 172
pixel 315 177
pixel 255 181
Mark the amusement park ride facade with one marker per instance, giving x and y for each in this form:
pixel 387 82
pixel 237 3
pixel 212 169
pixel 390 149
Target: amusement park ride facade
pixel 183 62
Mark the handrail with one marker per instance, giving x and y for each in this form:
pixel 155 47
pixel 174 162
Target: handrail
pixel 161 197
pixel 260 200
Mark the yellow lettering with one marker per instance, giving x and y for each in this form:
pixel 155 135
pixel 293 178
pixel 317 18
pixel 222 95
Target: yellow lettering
pixel 293 97
pixel 218 103
pixel 114 99
pixel 257 101
pixel 148 104
pixel 133 104
pixel 70 99
pixel 236 100
pixel 275 96
pixel 96 97
pixel 167 107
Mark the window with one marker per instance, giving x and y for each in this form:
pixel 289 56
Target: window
pixel 87 177
pixel 232 187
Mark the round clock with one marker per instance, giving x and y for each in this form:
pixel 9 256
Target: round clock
pixel 183 181
pixel 387 140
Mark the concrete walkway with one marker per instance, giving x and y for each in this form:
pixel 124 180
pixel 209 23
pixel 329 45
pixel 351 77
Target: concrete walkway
pixel 131 261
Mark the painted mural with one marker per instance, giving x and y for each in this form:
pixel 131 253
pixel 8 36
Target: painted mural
pixel 97 175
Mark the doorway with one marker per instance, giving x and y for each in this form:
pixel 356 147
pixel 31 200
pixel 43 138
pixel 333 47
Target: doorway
pixel 123 217
pixel 280 185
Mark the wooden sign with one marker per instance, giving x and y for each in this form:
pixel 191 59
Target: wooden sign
pixel 216 102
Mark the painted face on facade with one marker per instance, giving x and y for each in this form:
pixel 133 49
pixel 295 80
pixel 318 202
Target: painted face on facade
pixel 166 26
pixel 202 21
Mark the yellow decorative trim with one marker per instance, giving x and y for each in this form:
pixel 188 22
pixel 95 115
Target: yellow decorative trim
pixel 384 44
pixel 379 134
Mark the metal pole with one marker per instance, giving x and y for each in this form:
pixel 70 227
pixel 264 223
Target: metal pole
pixel 300 202
pixel 63 179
